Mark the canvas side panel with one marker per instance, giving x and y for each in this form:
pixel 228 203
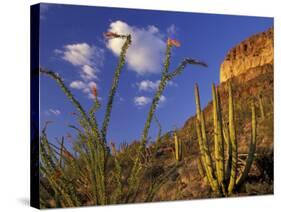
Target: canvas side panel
pixel 34 105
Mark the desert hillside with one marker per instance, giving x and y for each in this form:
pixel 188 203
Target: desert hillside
pixel 250 70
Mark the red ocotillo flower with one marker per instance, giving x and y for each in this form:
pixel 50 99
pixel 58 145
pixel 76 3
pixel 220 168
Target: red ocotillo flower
pixel 57 174
pixel 110 35
pixel 173 42
pixel 67 155
pixel 95 91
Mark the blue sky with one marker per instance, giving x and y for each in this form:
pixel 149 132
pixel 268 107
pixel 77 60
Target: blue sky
pixel 72 43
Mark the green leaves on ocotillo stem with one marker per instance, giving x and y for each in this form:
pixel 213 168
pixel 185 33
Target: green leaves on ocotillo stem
pixel 91 123
pixel 157 95
pixel 118 181
pixel 166 77
pixel 183 64
pixel 114 86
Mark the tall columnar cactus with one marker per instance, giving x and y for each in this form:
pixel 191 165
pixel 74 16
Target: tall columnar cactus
pixel 203 143
pixel 218 136
pixel 223 179
pixel 178 147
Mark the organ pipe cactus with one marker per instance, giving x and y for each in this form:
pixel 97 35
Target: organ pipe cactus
pixel 224 178
pixel 178 147
pixel 218 137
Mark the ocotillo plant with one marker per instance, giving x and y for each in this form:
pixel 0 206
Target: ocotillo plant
pixel 93 151
pixel 223 179
pixel 165 78
pixel 116 78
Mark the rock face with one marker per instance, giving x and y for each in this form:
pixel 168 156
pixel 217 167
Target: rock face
pixel 249 57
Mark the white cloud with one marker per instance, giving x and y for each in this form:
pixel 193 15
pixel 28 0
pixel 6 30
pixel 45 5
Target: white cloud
pixel 148 85
pixel 152 29
pixel 55 112
pixel 87 57
pixel 78 54
pixel 144 100
pixel 88 73
pixel 172 30
pixel 162 99
pixel 146 52
pixel 78 84
pixel 85 87
pixel 141 100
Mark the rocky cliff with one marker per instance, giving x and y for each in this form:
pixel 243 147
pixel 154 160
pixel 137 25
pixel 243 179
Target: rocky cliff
pixel 250 57
pixel 250 67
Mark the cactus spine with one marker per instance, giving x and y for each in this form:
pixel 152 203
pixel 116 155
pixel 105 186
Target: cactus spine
pixel 223 179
